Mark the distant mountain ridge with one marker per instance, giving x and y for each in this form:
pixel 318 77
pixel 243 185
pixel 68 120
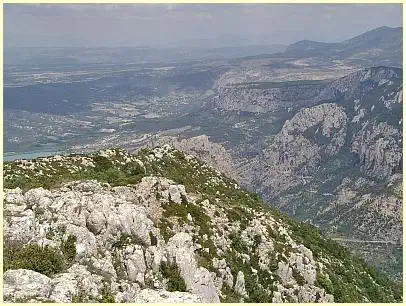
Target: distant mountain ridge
pixel 380 46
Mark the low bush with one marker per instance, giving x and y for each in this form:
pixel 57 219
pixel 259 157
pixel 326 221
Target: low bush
pixel 45 260
pixel 172 274
pixel 69 248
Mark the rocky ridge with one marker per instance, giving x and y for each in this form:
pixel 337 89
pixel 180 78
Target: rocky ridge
pixel 211 153
pixel 331 159
pixel 161 226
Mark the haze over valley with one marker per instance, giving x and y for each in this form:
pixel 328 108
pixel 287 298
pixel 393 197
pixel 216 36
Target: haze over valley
pixel 313 127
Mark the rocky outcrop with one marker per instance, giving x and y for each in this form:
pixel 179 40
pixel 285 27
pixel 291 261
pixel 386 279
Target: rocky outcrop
pixel 298 149
pixel 206 240
pixel 26 285
pixel 265 97
pixel 99 219
pixel 212 153
pixel 355 137
pixel 239 287
pixel 379 148
pixel 162 296
pixel 198 279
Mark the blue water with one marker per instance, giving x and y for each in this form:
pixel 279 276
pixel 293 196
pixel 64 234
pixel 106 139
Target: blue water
pixel 9 156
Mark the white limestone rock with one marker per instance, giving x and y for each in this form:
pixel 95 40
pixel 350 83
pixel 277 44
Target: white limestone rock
pixel 180 249
pixel 162 296
pixel 23 285
pixel 239 287
pixel 176 193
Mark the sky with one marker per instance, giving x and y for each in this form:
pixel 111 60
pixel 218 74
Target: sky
pixel 203 25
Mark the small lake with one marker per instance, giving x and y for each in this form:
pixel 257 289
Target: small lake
pixel 10 156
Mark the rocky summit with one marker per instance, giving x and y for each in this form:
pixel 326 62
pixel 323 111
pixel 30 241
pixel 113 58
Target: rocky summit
pixel 161 226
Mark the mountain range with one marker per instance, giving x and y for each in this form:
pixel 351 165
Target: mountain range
pixel 380 46
pixel 282 180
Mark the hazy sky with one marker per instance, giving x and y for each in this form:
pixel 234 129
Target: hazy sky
pixel 205 24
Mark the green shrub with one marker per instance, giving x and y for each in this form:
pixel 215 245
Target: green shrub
pixel 205 260
pixel 237 244
pixel 101 163
pixel 45 260
pixel 80 297
pixel 154 240
pixel 257 241
pixel 133 169
pixel 69 248
pixel 172 273
pixel 126 239
pixel 298 277
pixel 107 297
pixel 113 175
pixel 258 295
pixel 273 262
pixel 165 227
pixel 323 282
pixel 17 181
pixel 229 296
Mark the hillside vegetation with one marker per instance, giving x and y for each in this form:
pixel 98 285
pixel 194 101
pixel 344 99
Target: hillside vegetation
pixel 161 226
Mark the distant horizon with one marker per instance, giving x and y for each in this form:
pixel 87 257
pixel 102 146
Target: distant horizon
pixel 190 47
pixel 172 26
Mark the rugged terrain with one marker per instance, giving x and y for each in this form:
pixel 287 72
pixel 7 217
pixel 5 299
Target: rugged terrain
pixel 338 164
pixel 161 226
pixel 316 129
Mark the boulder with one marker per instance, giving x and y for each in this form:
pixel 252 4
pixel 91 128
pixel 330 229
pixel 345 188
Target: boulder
pixel 239 287
pixel 24 285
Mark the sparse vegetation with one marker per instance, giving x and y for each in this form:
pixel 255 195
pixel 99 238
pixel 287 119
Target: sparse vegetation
pixel 346 277
pixel 69 248
pixel 154 240
pixel 45 260
pixel 107 297
pixel 126 239
pixel 298 277
pixel 172 274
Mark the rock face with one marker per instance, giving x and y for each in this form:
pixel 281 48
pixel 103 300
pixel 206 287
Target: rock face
pixel 164 228
pixel 335 159
pixel 292 150
pixel 24 285
pixel 100 219
pixel 260 98
pixel 181 250
pixel 378 146
pixel 297 143
pixel 212 153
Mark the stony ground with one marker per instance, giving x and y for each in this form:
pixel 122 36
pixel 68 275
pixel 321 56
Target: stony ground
pixel 161 226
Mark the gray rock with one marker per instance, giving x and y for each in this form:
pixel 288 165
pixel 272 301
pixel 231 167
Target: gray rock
pixel 277 297
pixel 14 196
pixel 176 192
pixel 21 227
pixel 162 296
pixel 125 292
pixel 23 285
pixel 135 263
pixel 153 257
pixel 180 248
pixel 239 287
pixel 285 273
pixel 77 281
